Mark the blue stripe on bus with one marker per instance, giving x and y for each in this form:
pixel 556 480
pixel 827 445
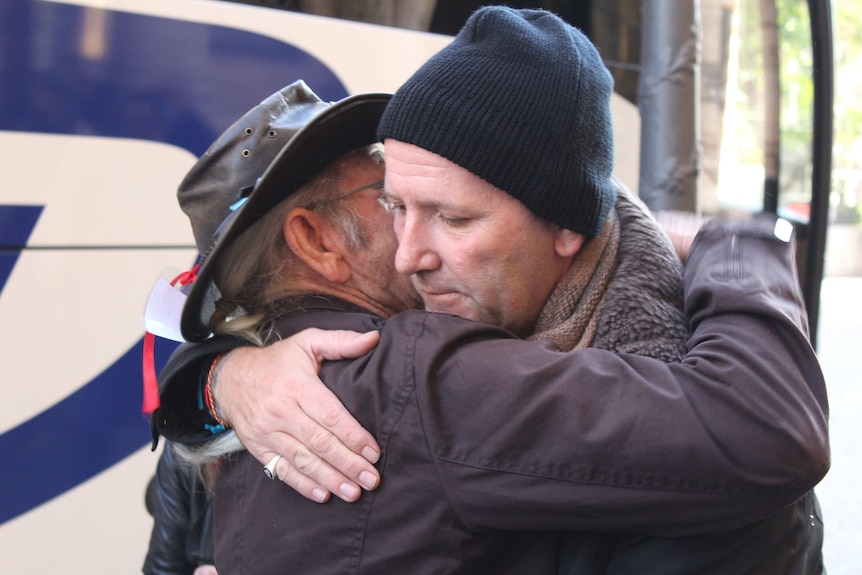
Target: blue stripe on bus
pixel 141 77
pixel 16 224
pixel 87 432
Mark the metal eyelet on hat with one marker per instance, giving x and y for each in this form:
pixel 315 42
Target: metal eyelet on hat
pixel 272 133
pixel 249 131
pixel 246 153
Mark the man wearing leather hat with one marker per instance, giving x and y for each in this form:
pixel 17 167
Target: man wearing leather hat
pixel 250 169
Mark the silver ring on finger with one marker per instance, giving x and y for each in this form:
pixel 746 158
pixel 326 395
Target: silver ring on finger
pixel 269 468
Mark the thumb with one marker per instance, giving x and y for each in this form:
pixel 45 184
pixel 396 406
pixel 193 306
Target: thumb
pixel 336 344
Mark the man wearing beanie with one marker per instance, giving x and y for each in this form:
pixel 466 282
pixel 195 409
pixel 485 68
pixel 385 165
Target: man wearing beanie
pixel 499 176
pixel 522 100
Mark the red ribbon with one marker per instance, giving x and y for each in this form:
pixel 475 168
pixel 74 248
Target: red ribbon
pixel 151 383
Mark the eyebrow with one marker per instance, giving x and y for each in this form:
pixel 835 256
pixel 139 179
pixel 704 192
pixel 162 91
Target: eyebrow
pixel 389 196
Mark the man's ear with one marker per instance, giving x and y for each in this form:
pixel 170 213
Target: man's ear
pixel 567 243
pixel 313 241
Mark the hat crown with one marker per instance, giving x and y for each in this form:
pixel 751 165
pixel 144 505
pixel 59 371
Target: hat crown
pixel 232 164
pixel 521 99
pixel 267 155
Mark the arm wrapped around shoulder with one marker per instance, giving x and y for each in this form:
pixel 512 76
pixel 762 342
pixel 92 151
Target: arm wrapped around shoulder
pixel 779 430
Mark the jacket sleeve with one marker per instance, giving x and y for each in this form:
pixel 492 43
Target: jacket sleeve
pixel 181 416
pixel 533 438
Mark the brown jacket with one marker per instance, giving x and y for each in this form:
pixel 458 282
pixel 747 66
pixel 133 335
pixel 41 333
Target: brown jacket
pixel 487 439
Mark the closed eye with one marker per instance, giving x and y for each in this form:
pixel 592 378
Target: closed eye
pixel 454 222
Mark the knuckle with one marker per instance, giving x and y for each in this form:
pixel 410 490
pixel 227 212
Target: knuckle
pixel 330 415
pixel 274 410
pixel 304 461
pixel 355 438
pixel 321 442
pixel 353 466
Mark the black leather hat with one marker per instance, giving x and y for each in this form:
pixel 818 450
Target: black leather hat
pixel 269 153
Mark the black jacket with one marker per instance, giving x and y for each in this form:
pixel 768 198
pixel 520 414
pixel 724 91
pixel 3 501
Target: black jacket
pixel 182 536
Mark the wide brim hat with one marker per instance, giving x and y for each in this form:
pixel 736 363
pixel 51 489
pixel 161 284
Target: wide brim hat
pixel 343 127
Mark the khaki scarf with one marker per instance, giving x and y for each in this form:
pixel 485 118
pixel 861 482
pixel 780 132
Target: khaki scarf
pixel 623 291
pixel 569 317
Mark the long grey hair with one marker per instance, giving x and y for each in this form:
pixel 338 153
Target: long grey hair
pixel 255 277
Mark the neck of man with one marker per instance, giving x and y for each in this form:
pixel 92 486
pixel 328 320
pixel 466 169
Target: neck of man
pixel 381 304
pixel 377 304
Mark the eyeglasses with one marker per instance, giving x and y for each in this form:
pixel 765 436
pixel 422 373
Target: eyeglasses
pixel 378 185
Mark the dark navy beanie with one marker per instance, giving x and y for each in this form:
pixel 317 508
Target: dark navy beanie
pixel 521 99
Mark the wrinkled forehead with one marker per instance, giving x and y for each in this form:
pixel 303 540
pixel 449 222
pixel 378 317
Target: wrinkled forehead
pixel 414 174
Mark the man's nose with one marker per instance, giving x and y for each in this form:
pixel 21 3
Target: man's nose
pixel 416 251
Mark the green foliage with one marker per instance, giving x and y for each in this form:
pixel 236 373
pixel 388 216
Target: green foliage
pixel 797 87
pixel 797 96
pixel 848 84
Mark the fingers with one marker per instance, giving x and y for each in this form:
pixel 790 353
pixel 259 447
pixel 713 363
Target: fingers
pixel 314 421
pixel 338 470
pixel 313 477
pixel 277 404
pixel 326 458
pixel 325 426
pixel 336 344
pixel 300 483
pixel 331 432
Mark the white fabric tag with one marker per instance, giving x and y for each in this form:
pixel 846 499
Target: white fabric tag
pixel 163 311
pixel 783 230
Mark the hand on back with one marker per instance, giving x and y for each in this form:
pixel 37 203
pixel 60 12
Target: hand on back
pixel 276 403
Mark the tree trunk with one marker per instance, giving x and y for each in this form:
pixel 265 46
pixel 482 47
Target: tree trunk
pixel 771 105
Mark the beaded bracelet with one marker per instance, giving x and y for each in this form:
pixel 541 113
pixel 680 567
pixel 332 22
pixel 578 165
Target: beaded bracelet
pixel 209 397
